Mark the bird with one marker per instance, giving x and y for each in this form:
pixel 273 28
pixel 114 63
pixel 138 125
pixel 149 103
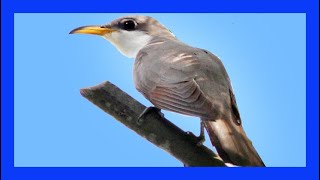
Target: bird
pixel 177 77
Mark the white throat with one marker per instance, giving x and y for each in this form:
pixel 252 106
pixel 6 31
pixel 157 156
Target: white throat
pixel 128 43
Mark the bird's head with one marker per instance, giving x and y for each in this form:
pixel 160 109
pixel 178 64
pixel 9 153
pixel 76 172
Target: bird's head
pixel 128 34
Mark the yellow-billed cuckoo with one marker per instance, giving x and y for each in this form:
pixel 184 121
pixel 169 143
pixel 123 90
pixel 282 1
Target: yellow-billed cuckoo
pixel 177 77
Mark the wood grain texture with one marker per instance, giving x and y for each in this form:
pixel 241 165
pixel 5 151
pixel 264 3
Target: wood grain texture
pixel 153 127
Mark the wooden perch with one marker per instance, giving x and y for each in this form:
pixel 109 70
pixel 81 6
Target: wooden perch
pixel 156 129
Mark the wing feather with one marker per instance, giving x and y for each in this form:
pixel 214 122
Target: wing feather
pixel 184 79
pixel 185 98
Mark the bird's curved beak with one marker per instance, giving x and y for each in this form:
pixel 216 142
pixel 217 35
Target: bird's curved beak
pixel 96 30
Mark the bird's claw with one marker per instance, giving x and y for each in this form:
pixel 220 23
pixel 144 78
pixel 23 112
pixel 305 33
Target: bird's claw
pixel 201 138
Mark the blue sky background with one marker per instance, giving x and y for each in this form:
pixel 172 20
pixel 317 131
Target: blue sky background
pixel 264 54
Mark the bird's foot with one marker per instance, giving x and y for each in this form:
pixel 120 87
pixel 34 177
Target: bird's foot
pixel 201 138
pixel 147 110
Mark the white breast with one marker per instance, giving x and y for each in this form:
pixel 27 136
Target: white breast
pixel 128 43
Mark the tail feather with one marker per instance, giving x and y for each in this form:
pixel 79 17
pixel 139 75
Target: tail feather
pixel 231 142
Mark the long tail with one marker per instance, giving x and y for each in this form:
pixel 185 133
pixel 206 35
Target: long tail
pixel 232 144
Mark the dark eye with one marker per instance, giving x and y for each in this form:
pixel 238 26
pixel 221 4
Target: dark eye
pixel 129 25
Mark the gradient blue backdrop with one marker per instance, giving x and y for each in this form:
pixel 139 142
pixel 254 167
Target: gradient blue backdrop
pixel 264 54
